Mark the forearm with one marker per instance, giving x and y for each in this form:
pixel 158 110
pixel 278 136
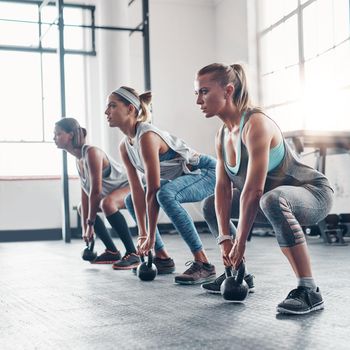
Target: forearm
pixel 223 198
pixel 138 198
pixel 249 204
pixel 94 204
pixel 152 212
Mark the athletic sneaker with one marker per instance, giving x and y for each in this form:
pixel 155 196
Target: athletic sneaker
pixel 214 287
pixel 164 266
pixel 128 262
pixel 301 300
pixel 198 272
pixel 108 257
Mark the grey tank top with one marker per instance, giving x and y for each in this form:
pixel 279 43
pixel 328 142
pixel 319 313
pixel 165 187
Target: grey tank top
pixel 170 169
pixel 290 172
pixel 113 177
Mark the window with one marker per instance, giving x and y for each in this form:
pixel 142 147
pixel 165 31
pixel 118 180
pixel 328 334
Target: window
pixel 304 68
pixel 30 88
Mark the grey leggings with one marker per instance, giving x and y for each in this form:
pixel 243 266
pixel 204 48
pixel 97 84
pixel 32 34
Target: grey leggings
pixel 286 208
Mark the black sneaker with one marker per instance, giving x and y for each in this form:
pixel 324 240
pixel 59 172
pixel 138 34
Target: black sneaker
pixel 108 257
pixel 198 272
pixel 128 262
pixel 164 266
pixel 214 287
pixel 301 300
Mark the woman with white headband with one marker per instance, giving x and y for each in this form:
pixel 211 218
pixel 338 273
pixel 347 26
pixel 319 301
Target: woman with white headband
pixel 174 174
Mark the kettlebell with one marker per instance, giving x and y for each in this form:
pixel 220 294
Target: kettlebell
pixel 234 288
pixel 88 253
pixel 147 271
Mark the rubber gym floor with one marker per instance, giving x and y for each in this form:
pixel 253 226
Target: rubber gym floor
pixel 51 299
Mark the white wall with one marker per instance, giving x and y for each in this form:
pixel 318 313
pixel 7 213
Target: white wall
pixel 35 204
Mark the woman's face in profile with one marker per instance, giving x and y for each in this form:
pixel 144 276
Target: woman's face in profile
pixel 210 95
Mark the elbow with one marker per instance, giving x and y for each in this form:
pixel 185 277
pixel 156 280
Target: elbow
pixel 253 194
pixel 96 194
pixel 151 194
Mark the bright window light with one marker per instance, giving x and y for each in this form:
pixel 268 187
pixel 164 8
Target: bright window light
pixel 305 70
pixel 30 92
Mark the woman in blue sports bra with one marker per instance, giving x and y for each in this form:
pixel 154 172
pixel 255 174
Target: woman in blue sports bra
pixel 258 179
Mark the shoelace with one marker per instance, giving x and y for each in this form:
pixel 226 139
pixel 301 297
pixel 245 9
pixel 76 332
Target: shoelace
pixel 299 294
pixel 193 268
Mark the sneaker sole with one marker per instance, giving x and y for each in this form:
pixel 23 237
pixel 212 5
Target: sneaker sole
pixel 202 280
pixel 251 290
pixel 125 267
pixel 282 310
pixel 104 262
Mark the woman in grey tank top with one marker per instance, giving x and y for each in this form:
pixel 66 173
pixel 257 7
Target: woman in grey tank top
pixel 104 186
pixel 288 196
pixel 174 174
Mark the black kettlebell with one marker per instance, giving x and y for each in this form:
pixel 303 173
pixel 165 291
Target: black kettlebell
pixel 147 271
pixel 88 253
pixel 234 288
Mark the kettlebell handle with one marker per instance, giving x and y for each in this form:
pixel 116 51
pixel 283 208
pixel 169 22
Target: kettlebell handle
pixel 228 271
pixel 150 259
pixel 91 245
pixel 240 274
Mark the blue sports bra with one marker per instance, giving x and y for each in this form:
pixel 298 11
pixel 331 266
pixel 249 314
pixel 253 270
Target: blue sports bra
pixel 276 154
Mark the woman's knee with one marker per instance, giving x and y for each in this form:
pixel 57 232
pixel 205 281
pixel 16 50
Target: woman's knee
pixel 108 205
pixel 208 208
pixel 164 196
pixel 270 202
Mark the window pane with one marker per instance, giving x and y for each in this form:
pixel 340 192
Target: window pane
pixel 20 91
pixel 342 20
pixel 23 12
pixel 341 65
pixel 75 87
pixel 290 43
pixel 51 90
pixel 73 15
pixel 33 159
pixel 288 117
pixel 49 36
pixel 266 53
pixel 272 11
pixel 280 87
pixel 49 14
pixel 21 34
pixel 310 31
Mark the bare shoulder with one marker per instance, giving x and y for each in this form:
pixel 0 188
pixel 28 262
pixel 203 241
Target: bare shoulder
pixel 150 140
pixel 260 123
pixel 94 152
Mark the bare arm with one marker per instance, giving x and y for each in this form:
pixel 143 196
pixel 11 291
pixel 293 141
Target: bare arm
pixel 223 193
pixel 257 137
pixel 150 146
pixel 137 192
pixel 95 164
pixel 84 209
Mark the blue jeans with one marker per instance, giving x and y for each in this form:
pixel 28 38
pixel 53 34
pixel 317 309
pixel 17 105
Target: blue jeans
pixel 184 189
pixel 286 208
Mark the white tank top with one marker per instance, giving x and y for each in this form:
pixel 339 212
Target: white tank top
pixel 113 177
pixel 169 169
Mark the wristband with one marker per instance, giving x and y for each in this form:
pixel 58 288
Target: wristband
pixel 90 222
pixel 223 238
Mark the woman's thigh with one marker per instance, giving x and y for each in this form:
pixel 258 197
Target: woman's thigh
pixel 191 188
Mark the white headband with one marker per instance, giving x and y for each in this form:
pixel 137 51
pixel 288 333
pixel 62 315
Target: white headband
pixel 129 97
